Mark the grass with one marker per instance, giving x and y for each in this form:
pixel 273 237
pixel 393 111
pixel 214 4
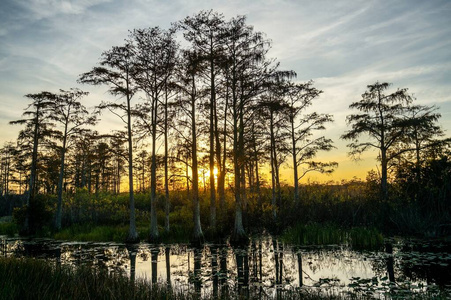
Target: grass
pixel 8 228
pixel 329 234
pixel 37 279
pixel 96 233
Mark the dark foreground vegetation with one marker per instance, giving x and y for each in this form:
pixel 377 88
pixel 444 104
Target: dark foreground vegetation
pixel 36 279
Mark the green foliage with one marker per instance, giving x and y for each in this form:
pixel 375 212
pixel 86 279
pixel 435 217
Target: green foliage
pixel 328 234
pixel 314 234
pixel 95 233
pixel 89 232
pixel 8 228
pixel 365 238
pixel 39 213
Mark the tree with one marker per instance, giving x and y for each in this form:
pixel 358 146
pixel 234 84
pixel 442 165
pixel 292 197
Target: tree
pixel 156 54
pixel 7 154
pixel 188 101
pixel 274 110
pixel 71 115
pixel 423 132
pixel 301 128
pixel 247 71
pixel 383 121
pixel 205 33
pixel 117 69
pixel 37 128
pixel 83 157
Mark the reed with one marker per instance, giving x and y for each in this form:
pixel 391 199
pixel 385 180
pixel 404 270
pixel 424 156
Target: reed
pixel 8 228
pixel 29 278
pixel 329 234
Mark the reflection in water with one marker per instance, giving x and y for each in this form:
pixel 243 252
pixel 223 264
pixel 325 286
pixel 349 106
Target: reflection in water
pixel 242 268
pixel 154 261
pixel 197 271
pixel 299 264
pixel 167 254
pixel 214 269
pixel 132 251
pixel 390 261
pixel 265 267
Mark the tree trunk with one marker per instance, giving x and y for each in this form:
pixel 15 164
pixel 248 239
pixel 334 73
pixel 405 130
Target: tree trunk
pixel 154 235
pixel 32 182
pixel 295 163
pixel 132 236
pixel 239 235
pixel 273 165
pixel 212 148
pixel 198 237
pixel 166 170
pixel 384 166
pixel 60 183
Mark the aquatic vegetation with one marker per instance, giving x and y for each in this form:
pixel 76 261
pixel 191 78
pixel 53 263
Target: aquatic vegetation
pixel 37 279
pixel 267 268
pixel 329 234
pixel 8 228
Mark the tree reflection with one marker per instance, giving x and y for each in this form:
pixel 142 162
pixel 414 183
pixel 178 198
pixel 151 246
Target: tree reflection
pixel 154 261
pixel 242 265
pixel 223 270
pixel 390 262
pixel 197 270
pixel 167 252
pixel 214 269
pixel 132 251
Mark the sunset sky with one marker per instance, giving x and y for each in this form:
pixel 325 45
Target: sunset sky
pixel 342 45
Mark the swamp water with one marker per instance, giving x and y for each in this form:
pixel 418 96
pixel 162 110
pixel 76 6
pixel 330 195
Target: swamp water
pixel 266 268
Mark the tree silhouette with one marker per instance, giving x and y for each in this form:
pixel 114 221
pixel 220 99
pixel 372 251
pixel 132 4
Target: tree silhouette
pixel 205 33
pixel 117 67
pixel 383 120
pixel 37 128
pixel 188 101
pixel 71 115
pixel 301 128
pixel 248 70
pixel 156 53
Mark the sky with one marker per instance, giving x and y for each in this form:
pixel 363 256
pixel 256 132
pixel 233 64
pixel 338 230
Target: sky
pixel 342 46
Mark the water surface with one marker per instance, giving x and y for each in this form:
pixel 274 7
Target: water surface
pixel 266 267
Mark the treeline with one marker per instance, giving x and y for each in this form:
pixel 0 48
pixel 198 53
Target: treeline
pixel 212 113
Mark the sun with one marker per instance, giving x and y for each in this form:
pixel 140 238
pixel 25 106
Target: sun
pixel 215 172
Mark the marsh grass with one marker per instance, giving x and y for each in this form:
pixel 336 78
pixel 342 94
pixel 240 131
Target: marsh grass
pixel 38 279
pixel 8 228
pixel 110 233
pixel 329 234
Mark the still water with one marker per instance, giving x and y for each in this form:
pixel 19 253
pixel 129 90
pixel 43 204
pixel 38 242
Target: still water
pixel 266 267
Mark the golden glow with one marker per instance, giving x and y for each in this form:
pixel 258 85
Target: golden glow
pixel 207 173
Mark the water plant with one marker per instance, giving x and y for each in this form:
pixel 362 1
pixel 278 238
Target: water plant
pixel 327 234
